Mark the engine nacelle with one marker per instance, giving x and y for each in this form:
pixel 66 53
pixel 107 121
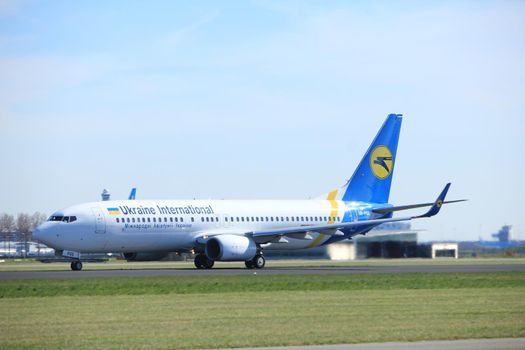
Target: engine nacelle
pixel 147 256
pixel 230 248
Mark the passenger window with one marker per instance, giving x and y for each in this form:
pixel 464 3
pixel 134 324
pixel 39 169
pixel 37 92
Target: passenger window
pixel 338 218
pixel 306 218
pixel 154 219
pixel 237 218
pixel 171 218
pixel 127 219
pixel 242 218
pixel 118 220
pixel 202 219
pixel 257 218
pixel 132 219
pixel 292 218
pixel 216 219
pixel 287 218
pixel 207 219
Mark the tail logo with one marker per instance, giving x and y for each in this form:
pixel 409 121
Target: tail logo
pixel 381 162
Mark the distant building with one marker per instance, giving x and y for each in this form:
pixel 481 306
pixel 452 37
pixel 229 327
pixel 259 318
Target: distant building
pixel 105 195
pixel 503 235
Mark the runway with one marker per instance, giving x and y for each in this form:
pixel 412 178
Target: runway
pixel 174 272
pixel 467 344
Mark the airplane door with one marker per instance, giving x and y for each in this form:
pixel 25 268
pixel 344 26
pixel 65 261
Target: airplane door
pixel 100 222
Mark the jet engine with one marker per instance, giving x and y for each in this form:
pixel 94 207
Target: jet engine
pixel 146 256
pixel 230 248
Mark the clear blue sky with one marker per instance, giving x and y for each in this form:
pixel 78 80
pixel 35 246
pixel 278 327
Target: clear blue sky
pixel 263 99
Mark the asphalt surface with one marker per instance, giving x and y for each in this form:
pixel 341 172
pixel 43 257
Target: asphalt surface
pixel 468 344
pixel 349 270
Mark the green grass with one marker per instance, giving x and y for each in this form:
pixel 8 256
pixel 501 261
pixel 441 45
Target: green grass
pixel 256 283
pixel 235 311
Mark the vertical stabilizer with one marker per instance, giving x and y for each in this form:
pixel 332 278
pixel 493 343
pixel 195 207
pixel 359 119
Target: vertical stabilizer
pixel 372 179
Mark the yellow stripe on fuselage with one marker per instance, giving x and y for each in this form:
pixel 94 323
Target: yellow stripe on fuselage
pixel 335 206
pixel 333 213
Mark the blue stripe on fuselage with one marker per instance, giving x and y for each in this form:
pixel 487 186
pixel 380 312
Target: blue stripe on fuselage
pixel 359 212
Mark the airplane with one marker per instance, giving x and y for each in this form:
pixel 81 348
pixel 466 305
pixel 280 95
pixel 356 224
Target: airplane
pixel 236 230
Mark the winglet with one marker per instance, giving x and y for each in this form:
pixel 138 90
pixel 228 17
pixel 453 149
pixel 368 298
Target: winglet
pixel 132 194
pixel 437 204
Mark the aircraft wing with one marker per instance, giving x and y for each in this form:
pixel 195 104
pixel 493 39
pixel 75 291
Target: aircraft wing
pixel 333 229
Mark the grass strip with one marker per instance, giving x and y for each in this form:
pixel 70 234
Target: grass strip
pixel 270 318
pixel 256 283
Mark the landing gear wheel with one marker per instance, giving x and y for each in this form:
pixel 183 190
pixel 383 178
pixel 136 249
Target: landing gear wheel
pixel 76 265
pixel 199 261
pixel 202 262
pixel 258 261
pixel 208 263
pixel 249 264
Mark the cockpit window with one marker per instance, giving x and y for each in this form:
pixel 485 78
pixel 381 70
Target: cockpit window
pixel 55 218
pixel 69 218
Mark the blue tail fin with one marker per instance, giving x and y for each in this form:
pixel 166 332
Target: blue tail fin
pixel 372 178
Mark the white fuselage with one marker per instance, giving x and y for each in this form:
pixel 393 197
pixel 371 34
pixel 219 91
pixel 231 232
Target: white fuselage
pixel 165 225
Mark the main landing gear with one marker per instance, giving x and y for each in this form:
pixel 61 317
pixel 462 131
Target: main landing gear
pixel 202 262
pixel 76 265
pixel 257 262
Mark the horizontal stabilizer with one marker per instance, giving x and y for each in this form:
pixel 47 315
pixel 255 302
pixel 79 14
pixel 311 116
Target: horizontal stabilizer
pixel 411 206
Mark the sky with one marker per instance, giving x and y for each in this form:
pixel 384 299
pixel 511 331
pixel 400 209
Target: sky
pixel 263 100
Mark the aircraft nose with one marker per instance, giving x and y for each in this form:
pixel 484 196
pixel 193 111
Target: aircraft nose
pixel 37 233
pixel 41 234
